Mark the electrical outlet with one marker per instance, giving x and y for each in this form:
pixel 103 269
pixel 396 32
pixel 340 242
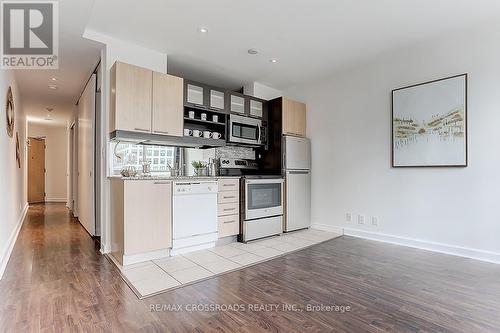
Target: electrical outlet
pixel 348 217
pixel 361 219
pixel 374 220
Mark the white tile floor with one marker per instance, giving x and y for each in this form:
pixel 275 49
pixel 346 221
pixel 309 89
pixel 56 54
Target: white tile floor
pixel 153 277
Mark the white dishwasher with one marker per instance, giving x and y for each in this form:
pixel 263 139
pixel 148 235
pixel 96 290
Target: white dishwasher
pixel 194 216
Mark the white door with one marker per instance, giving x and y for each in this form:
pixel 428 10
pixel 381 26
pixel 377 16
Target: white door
pixel 298 200
pixel 86 112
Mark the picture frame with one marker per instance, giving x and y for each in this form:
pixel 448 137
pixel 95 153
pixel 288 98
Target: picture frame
pixel 18 151
pixel 429 124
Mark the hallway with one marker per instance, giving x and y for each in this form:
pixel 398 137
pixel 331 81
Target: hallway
pixel 57 281
pixel 56 277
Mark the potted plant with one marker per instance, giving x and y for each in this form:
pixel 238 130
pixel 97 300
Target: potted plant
pixel 200 168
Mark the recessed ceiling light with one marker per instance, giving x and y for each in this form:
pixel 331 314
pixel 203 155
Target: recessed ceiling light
pixel 49 109
pixel 52 86
pixel 252 51
pixel 53 79
pixel 203 30
pixel 273 61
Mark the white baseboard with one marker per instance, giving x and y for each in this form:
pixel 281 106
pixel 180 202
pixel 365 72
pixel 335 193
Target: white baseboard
pixel 55 200
pixel 482 255
pixel 327 227
pixel 7 251
pixel 146 256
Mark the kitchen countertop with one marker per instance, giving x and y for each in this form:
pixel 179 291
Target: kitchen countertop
pixel 180 178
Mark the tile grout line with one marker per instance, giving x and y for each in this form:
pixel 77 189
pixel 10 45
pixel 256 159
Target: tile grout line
pixel 167 273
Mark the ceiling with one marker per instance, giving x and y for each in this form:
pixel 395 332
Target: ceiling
pixel 311 39
pixel 77 59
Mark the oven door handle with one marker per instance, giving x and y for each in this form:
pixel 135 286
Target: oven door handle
pixel 265 181
pixel 260 132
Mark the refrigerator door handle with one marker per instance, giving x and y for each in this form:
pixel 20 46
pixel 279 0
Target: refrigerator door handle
pixel 297 172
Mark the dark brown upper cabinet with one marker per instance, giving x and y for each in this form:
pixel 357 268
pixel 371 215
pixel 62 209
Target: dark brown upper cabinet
pixel 256 107
pixel 195 94
pixel 201 96
pixel 237 103
pixel 216 99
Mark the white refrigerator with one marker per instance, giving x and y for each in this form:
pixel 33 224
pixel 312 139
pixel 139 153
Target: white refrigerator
pixel 297 170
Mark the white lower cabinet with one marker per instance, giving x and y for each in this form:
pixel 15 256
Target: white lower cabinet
pixel 228 200
pixel 141 220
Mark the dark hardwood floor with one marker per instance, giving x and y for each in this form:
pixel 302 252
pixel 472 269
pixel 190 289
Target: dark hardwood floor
pixel 57 281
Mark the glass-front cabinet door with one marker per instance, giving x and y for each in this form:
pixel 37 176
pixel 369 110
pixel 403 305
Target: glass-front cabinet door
pixel 256 108
pixel 194 94
pixel 216 99
pixel 237 104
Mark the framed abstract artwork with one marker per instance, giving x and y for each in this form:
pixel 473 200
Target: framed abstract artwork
pixel 429 124
pixel 18 151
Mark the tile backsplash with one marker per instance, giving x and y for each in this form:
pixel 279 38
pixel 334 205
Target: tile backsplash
pixel 235 152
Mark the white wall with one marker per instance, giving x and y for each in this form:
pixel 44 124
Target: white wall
pixel 260 90
pixel 13 195
pixel 56 159
pixel 349 122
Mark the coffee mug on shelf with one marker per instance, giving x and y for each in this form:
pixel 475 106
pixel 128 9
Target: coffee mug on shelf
pixel 216 135
pixel 207 134
pixel 215 118
pixel 191 114
pixel 188 132
pixel 197 133
pixel 203 116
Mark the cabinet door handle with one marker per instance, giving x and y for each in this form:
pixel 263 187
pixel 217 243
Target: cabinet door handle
pixel 141 129
pixel 232 221
pixel 162 183
pixel 229 209
pixel 230 197
pixel 161 132
pixel 227 185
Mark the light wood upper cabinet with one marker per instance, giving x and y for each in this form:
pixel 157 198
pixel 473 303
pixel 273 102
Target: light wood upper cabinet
pixel 131 91
pixel 294 118
pixel 168 104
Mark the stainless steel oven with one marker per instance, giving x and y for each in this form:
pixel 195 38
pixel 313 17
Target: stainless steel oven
pixel 246 130
pixel 262 207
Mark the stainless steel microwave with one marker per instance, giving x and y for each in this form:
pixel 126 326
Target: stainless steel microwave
pixel 246 130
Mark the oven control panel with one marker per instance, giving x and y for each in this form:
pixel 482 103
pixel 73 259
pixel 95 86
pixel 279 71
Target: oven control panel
pixel 234 163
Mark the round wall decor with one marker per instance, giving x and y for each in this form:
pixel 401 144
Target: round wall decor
pixel 9 111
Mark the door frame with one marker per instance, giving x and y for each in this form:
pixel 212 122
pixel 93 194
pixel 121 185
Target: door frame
pixel 71 168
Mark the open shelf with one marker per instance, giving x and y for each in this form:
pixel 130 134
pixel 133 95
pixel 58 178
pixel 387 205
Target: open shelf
pixel 202 108
pixel 208 122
